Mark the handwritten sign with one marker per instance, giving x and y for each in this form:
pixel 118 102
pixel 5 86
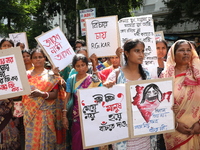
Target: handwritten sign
pixel 102 36
pixel 19 37
pixel 57 48
pixel 159 35
pixel 151 101
pixel 141 28
pixel 84 14
pixel 12 71
pixel 105 110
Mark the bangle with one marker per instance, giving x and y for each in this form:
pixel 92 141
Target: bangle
pixel 64 110
pixel 176 125
pixel 47 95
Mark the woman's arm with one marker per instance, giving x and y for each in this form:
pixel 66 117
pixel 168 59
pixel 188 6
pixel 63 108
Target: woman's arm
pixel 46 95
pixel 65 120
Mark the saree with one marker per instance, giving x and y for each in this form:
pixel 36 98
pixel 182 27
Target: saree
pixel 9 134
pixel 42 118
pixel 75 129
pixel 187 96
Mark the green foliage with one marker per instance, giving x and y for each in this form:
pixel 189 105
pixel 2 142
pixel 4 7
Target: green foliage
pixel 181 11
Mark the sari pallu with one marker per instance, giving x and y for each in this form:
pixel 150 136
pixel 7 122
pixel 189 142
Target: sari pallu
pixel 42 118
pixel 75 128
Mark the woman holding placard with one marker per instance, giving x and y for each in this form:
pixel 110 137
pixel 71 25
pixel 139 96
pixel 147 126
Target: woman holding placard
pixel 184 65
pixel 81 80
pixel 8 131
pixel 42 108
pixel 131 71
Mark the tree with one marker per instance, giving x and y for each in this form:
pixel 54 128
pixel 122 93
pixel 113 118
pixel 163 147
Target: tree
pixel 181 11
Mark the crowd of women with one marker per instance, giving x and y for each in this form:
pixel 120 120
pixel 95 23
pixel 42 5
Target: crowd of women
pixel 50 117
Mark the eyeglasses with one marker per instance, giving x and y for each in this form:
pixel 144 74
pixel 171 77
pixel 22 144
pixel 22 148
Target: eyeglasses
pixel 39 57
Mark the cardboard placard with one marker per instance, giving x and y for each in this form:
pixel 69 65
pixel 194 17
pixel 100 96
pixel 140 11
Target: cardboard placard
pixel 13 78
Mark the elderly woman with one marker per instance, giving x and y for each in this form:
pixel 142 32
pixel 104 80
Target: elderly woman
pixel 183 64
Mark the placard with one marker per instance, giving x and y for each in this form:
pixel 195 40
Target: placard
pixel 13 78
pixel 57 48
pixel 84 14
pixel 103 115
pixel 151 103
pixel 141 28
pixel 102 36
pixel 159 35
pixel 19 37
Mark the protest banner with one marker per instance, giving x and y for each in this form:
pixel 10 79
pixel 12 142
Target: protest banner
pixel 13 78
pixel 56 47
pixel 151 103
pixel 102 36
pixel 105 110
pixel 141 28
pixel 19 37
pixel 84 14
pixel 159 35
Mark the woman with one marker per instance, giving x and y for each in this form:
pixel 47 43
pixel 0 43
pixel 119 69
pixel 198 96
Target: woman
pixel 9 133
pixel 183 64
pixel 42 108
pixel 133 55
pixel 71 121
pixel 27 59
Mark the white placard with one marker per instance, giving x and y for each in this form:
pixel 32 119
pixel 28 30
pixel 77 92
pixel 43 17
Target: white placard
pixel 84 14
pixel 102 36
pixel 57 47
pixel 12 71
pixel 104 115
pixel 152 101
pixel 141 28
pixel 19 37
pixel 159 35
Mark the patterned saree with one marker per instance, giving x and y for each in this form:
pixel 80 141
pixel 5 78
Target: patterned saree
pixel 42 118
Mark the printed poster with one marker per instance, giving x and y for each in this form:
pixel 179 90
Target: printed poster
pixel 13 78
pixel 151 103
pixel 104 117
pixel 57 48
pixel 102 36
pixel 141 28
pixel 19 37
pixel 159 35
pixel 84 14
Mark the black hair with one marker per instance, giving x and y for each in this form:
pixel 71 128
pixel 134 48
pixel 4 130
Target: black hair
pixel 178 43
pixel 78 57
pixel 130 44
pixel 26 51
pixel 146 89
pixel 18 44
pixel 193 43
pixel 7 39
pixel 82 42
pixel 39 50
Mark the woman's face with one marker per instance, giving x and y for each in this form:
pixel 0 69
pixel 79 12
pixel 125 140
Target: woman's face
pixel 161 50
pixel 136 55
pixel 115 61
pixel 183 54
pixel 27 58
pixel 38 59
pixel 81 67
pixel 6 45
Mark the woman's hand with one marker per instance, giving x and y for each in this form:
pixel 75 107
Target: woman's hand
pixel 119 51
pixel 56 71
pixel 196 128
pixel 183 128
pixel 94 60
pixel 65 123
pixel 109 84
pixel 175 108
pixel 37 93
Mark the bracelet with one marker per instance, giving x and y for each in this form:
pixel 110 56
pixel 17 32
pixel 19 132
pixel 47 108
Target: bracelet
pixel 64 110
pixel 176 125
pixel 47 95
